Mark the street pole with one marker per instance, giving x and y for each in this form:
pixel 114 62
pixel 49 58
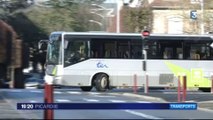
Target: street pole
pixel 119 5
pixel 145 35
pixel 48 97
pixel 145 71
pixel 11 84
pixel 202 12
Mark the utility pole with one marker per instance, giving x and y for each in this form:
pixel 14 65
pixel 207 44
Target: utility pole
pixel 145 34
pixel 202 18
pixel 119 5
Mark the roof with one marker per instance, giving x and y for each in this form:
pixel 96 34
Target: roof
pixel 129 35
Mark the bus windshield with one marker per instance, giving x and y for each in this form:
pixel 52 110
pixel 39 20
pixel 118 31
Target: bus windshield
pixel 54 51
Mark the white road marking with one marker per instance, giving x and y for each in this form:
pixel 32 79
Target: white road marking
pixel 57 92
pixel 62 100
pixel 190 101
pixel 104 96
pixel 142 102
pixel 91 100
pixel 142 114
pixel 117 101
pixel 33 101
pixel 15 90
pixel 94 93
pixel 35 91
pixel 72 92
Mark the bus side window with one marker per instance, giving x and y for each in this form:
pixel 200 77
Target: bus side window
pixel 179 53
pixel 126 54
pixel 197 55
pixel 167 54
pixel 107 54
pixel 82 52
pixel 94 54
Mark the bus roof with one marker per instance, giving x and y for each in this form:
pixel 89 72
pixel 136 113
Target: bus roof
pixel 151 37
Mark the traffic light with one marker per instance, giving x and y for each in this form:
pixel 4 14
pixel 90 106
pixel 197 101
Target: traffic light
pixel 145 37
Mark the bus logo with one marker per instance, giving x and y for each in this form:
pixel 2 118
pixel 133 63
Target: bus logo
pixel 101 65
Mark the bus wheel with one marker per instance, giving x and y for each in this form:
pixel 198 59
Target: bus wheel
pixel 101 82
pixel 87 88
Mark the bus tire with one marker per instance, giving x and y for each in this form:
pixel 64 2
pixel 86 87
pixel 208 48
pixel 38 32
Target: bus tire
pixel 101 82
pixel 86 88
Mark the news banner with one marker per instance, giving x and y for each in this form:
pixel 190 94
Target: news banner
pixel 57 106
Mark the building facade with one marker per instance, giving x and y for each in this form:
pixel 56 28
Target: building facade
pixel 177 16
pixel 182 16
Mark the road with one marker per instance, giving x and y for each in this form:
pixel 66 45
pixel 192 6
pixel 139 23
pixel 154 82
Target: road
pixel 14 96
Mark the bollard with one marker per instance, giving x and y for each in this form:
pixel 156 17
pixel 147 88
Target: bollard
pixel 135 84
pixel 48 98
pixel 179 89
pixel 184 88
pixel 212 84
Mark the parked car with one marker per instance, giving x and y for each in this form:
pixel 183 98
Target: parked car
pixel 34 82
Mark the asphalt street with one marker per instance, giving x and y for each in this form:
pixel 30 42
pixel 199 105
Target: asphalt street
pixel 9 99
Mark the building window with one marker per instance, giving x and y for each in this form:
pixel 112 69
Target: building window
pixel 175 25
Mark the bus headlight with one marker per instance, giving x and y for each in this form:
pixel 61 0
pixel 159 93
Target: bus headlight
pixel 48 79
pixel 57 80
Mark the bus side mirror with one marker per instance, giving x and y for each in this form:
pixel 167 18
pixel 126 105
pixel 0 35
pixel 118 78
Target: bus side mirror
pixel 42 44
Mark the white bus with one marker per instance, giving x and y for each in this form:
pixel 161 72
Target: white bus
pixel 105 60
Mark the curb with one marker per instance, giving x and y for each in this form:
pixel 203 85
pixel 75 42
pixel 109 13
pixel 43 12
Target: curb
pixel 210 101
pixel 22 114
pixel 205 109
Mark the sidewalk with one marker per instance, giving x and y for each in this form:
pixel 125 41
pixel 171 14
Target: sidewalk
pixel 8 111
pixel 208 105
